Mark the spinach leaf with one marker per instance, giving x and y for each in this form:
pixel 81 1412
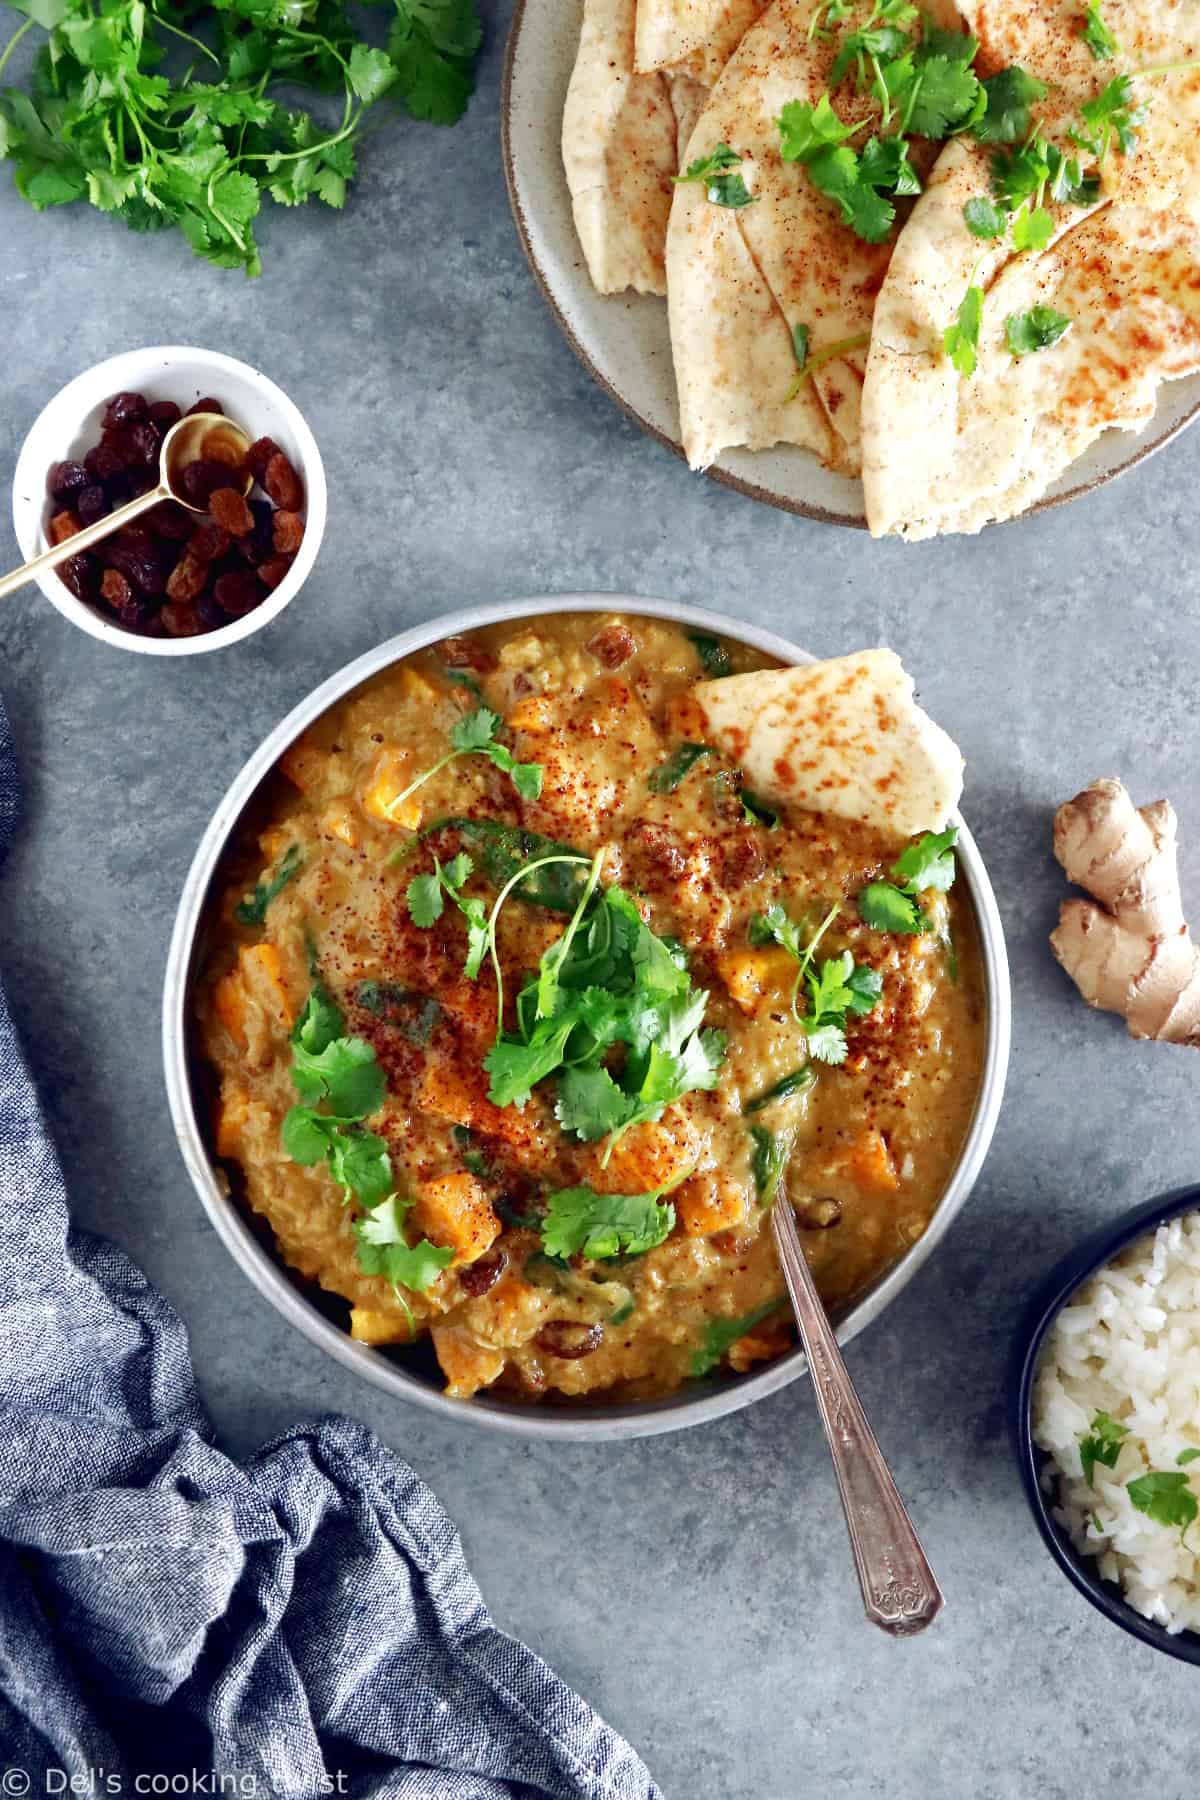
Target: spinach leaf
pixel 252 910
pixel 668 776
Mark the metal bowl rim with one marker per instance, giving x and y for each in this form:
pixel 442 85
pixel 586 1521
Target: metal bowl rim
pixel 592 1424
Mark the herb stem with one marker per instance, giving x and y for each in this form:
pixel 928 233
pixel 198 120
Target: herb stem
pixel 501 897
pixel 14 40
pixel 819 357
pixel 564 943
pixel 187 38
pixel 809 949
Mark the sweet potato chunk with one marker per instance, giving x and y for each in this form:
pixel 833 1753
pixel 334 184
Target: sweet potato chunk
pixel 389 775
pixel 867 1162
pixel 711 1202
pixel 455 1210
pixel 756 978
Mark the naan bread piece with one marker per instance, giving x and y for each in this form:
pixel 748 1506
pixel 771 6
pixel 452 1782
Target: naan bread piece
pixel 843 737
pixel 620 146
pixel 695 36
pixel 944 453
pixel 734 364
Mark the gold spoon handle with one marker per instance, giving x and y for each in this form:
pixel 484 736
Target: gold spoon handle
pixel 899 1589
pixel 83 539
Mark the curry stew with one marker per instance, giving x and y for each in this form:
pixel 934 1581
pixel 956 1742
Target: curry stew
pixel 605 1231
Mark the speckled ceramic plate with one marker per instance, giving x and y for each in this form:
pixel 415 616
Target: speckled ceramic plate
pixel 623 340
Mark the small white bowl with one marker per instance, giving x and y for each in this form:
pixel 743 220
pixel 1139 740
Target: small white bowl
pixel 70 424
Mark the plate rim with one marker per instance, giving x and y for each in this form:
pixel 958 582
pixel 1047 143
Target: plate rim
pixel 752 490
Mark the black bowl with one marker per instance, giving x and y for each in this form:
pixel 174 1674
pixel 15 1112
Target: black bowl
pixel 1067 1275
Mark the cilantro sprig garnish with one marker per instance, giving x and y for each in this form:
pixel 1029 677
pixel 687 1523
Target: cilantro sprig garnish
pixel 839 987
pixel 475 735
pixel 720 173
pixel 928 864
pixel 1038 329
pixel 340 1072
pixel 1116 112
pixel 101 120
pixel 1101 1444
pixel 1097 36
pixel 960 340
pixel 252 910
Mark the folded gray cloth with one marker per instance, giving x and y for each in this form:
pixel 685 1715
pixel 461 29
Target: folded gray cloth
pixel 305 1625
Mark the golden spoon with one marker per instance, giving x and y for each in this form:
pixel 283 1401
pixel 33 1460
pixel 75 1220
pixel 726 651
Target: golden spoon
pixel 197 436
pixel 899 1589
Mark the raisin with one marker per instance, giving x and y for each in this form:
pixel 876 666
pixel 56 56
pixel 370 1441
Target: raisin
pixel 115 589
pixel 62 526
pixel 465 653
pixel 743 858
pixel 613 645
pixel 141 481
pixel 206 405
pixel 283 484
pixel 165 413
pixel 224 446
pixel 210 614
pixel 80 575
pixel 239 593
pixel 117 443
pixel 274 570
pixel 478 1277
pixel 170 521
pixel 569 1338
pixel 208 542
pixel 231 512
pixel 65 479
pixel 144 442
pixel 186 580
pixel 259 547
pixel 124 409
pixel 287 532
pixel 819 1213
pixel 181 620
pixel 102 463
pixel 260 454
pixel 200 480
pixel 92 504
pixel 141 567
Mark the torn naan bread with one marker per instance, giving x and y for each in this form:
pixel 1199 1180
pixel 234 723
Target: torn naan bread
pixel 942 452
pixel 623 137
pixel 844 736
pixel 696 37
pixel 739 282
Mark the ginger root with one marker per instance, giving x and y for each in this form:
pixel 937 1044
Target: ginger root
pixel 1131 952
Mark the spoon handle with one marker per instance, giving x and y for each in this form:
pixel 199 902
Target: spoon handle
pixel 82 539
pixel 899 1590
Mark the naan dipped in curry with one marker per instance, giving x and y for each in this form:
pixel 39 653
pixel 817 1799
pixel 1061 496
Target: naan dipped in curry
pixel 1120 273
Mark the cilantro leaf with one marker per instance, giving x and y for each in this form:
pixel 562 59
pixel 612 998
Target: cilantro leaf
pixel 1165 1496
pixel 800 336
pixel 580 1222
pixel 1186 1456
pixel 475 730
pixel 669 775
pixel 424 897
pixel 1020 174
pixel 1067 182
pixel 884 164
pixel 516 1065
pixel 1037 329
pixel 345 1073
pixel 768 1161
pixel 1097 36
pixel 720 172
pixel 475 735
pixel 805 130
pixel 714 657
pixel 1102 1444
pixel 944 97
pixel 1032 228
pixel 1115 112
pixel 888 908
pixel 756 811
pixel 720 1335
pixel 929 862
pixel 383 1249
pixel 1010 95
pixel 320 1021
pixel 961 340
pixel 837 174
pixel 590 1104
pixel 252 910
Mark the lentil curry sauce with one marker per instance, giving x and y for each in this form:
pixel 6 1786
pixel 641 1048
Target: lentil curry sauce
pixel 599 704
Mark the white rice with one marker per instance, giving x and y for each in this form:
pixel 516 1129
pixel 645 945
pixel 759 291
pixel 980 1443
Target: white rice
pixel 1128 1344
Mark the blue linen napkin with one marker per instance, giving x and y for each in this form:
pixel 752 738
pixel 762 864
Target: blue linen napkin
pixel 304 1625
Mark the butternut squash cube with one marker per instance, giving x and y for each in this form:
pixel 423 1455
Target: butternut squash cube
pixel 454 1209
pixel 373 1326
pixel 711 1202
pixel 389 775
pixel 756 978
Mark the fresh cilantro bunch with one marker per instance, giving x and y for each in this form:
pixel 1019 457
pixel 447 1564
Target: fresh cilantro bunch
pixel 926 865
pixel 840 986
pixel 613 1016
pixel 341 1072
pixel 167 116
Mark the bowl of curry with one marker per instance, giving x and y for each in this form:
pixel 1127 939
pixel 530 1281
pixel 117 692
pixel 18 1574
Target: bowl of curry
pixel 499 1013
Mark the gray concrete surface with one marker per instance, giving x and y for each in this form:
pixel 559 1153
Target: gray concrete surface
pixel 695 1587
